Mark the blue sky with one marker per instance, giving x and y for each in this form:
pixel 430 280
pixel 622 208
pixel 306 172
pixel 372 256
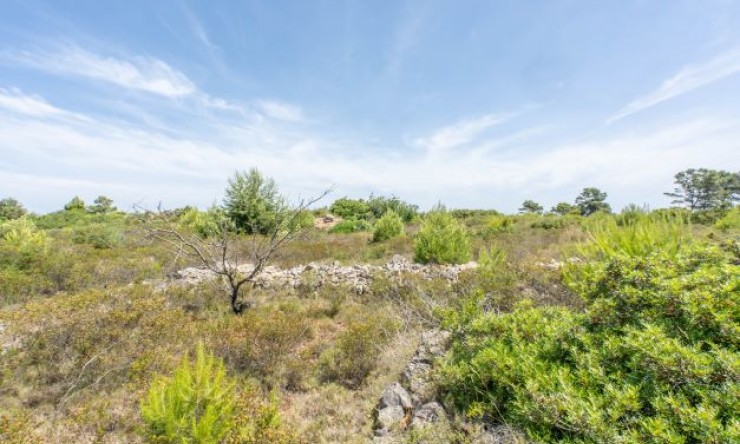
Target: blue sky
pixel 473 103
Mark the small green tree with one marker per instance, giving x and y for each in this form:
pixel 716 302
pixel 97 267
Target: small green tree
pixel 442 239
pixel 253 202
pixel 194 405
pixel 76 204
pixel 532 207
pixel 564 208
pixel 388 226
pixel 102 205
pixel 592 200
pixel 11 209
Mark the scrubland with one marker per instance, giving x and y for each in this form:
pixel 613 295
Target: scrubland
pixel 606 328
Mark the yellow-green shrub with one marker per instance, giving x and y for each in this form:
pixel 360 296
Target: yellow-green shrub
pixel 388 227
pixel 442 239
pixel 194 405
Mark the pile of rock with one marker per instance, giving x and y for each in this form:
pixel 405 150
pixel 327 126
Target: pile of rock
pixel 399 408
pixel 358 276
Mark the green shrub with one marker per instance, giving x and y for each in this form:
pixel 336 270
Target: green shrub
pixel 441 240
pixel 355 353
pixel 204 223
pixel 730 221
pixel 22 244
pixel 498 224
pixel 644 236
pixel 352 209
pixel 387 227
pixel 653 358
pixel 98 235
pixel 195 405
pixel 350 226
pixel 549 222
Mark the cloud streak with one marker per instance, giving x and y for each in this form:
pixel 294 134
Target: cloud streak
pixel 687 80
pixel 459 133
pixel 141 73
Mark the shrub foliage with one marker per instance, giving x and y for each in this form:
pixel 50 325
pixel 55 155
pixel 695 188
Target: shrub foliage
pixel 441 240
pixel 653 359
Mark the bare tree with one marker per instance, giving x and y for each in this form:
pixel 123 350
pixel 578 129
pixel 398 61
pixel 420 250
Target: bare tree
pixel 219 252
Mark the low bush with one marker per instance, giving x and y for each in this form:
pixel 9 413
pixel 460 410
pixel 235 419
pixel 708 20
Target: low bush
pixel 355 353
pixel 441 240
pixel 387 227
pixel 350 226
pixel 262 341
pixel 642 237
pixel 98 235
pixel 653 358
pixel 730 221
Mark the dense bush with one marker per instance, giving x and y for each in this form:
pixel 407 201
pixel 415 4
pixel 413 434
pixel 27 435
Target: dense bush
pixel 11 209
pixel 350 226
pixel 441 240
pixel 653 359
pixel 351 209
pixel 380 205
pixel 388 226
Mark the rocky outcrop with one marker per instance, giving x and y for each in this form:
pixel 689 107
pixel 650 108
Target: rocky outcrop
pixel 399 408
pixel 358 276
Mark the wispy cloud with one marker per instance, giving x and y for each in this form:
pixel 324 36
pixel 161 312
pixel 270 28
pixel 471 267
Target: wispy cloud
pixel 136 72
pixel 459 133
pixel 15 101
pixel 281 110
pixel 687 80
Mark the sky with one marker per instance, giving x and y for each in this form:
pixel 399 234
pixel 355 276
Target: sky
pixel 475 104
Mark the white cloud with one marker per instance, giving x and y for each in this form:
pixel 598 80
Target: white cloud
pixel 281 110
pixel 459 133
pixel 687 80
pixel 137 72
pixel 14 100
pixel 136 164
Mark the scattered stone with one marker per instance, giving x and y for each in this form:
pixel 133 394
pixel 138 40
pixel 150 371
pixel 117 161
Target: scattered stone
pixel 428 413
pixel 395 395
pixel 389 418
pixel 358 276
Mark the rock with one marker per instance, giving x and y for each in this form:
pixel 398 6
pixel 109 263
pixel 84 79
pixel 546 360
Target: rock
pixel 395 395
pixel 390 417
pixel 428 413
pixel 417 374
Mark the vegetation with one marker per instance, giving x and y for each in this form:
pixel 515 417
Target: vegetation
pixel 573 328
pixel 253 203
pixel 591 201
pixel 650 360
pixel 530 206
pixel 704 189
pixel 195 405
pixel 388 226
pixel 441 240
pixel 11 209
